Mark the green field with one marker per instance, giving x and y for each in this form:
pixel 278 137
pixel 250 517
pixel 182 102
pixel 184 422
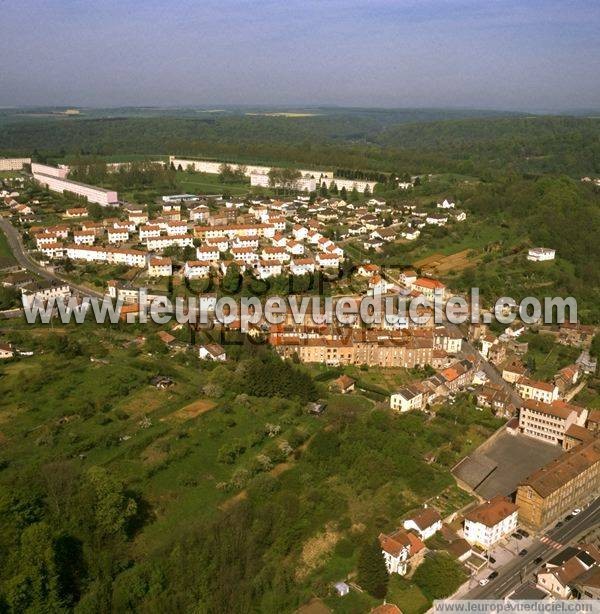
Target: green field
pixel 197 453
pixel 5 251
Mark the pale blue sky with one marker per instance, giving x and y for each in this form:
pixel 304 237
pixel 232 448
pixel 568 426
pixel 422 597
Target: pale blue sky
pixel 540 54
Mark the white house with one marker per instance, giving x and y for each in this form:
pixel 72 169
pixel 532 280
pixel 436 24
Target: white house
pixel 302 266
pixel 407 398
pixel 491 521
pixel 117 235
pixel 42 291
pixel 150 231
pixel 160 243
pixel 446 205
pixel 212 351
pixel 195 269
pixel 539 254
pixel 268 268
pixel 327 261
pixel 426 523
pixel 160 267
pixel 537 390
pixel 396 551
pixel 84 237
pixel 207 253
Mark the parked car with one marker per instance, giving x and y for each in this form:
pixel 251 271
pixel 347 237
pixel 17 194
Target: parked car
pixel 559 524
pixel 483 581
pixel 567 518
pixel 493 575
pixel 576 511
pixel 492 559
pixel 538 560
pixel 517 536
pixel 523 552
pixel 523 532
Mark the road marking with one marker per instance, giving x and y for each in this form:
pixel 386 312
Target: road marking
pixel 550 542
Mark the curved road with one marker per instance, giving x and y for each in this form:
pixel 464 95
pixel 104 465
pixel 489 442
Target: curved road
pixel 22 257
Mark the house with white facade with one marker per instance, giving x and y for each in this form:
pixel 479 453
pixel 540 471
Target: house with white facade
pixel 541 254
pixel 212 351
pixel 160 267
pixel 537 390
pixel 150 231
pixel 302 266
pixel 407 398
pixel 84 237
pixel 490 522
pixel 196 269
pixel 426 523
pixel 117 235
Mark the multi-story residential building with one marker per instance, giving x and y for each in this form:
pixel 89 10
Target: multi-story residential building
pixel 13 164
pixel 490 522
pixel 160 267
pixel 177 228
pixel 60 172
pixel 84 237
pixel 327 261
pixel 396 551
pixel 429 288
pixel 93 194
pixel 150 231
pixel 45 238
pixel 117 235
pixel 160 243
pixel 407 352
pixel 235 230
pixel 112 255
pixel 407 398
pixel 195 269
pixel 302 266
pixel 537 390
pixel 42 291
pixel 447 340
pixel 564 483
pixel 549 422
pixel 458 375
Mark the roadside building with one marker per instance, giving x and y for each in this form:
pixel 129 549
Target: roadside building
pixel 564 483
pixel 490 522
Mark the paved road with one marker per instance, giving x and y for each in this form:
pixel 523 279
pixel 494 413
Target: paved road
pixel 520 569
pixel 23 258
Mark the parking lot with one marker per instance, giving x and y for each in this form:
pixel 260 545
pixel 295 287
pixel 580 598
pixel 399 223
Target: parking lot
pixel 499 465
pixel 502 553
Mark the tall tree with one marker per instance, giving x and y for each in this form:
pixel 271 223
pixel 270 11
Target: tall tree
pixel 372 572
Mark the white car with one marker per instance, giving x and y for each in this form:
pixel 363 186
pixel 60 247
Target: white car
pixel 483 581
pixel 576 511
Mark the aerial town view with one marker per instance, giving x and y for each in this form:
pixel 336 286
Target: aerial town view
pixel 299 307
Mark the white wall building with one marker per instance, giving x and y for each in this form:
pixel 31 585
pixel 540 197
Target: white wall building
pixel 490 522
pixel 13 164
pixel 540 254
pixel 100 196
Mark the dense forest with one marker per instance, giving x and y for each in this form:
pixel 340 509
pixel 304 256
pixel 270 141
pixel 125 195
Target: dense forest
pixel 348 139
